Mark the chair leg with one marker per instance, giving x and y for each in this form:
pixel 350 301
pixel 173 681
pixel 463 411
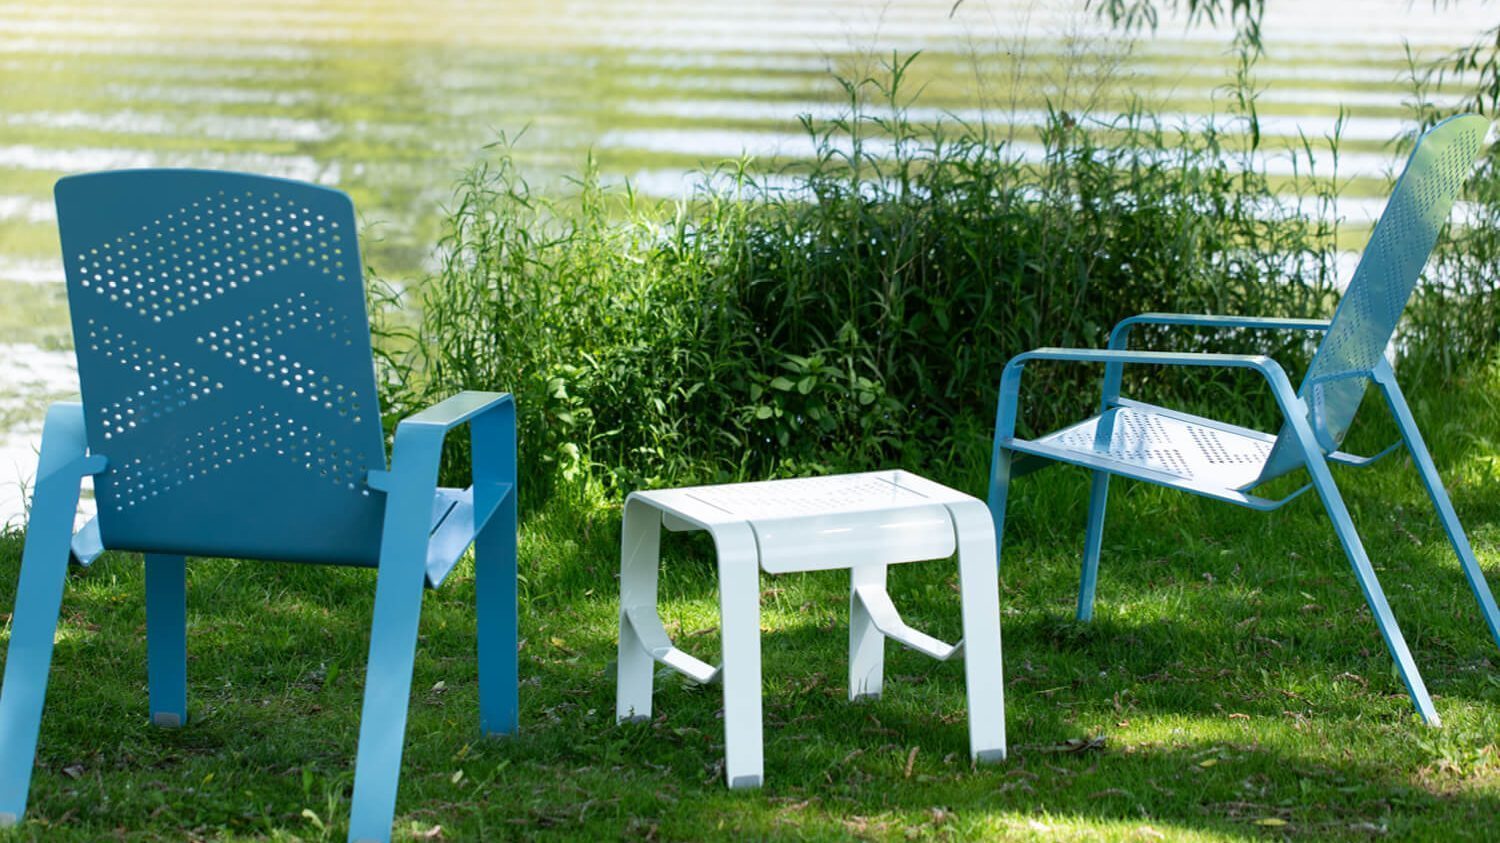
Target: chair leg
pixel 640 553
pixel 28 661
pixel 1343 525
pixel 33 627
pixel 1093 538
pixel 999 496
pixel 166 638
pixel 866 641
pixel 983 671
pixel 739 624
pixel 492 437
pixel 498 622
pixel 1451 525
pixel 382 722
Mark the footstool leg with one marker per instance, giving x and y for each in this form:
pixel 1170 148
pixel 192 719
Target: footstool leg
pixel 979 582
pixel 640 552
pixel 739 608
pixel 866 641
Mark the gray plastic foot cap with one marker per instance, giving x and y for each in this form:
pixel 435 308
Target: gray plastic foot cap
pixel 7 819
pixel 870 697
pixel 989 756
pixel 742 782
pixel 167 720
pixel 634 718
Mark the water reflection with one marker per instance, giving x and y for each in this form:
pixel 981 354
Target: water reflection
pixel 389 100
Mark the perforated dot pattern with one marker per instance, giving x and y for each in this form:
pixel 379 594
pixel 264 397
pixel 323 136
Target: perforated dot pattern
pixel 168 384
pixel 1170 445
pixel 209 248
pixel 236 439
pixel 1216 451
pixel 249 343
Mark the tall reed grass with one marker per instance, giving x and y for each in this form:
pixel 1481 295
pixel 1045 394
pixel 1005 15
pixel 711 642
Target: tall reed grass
pixel 854 310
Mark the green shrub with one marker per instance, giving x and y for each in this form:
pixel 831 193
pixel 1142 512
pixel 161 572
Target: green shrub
pixel 854 310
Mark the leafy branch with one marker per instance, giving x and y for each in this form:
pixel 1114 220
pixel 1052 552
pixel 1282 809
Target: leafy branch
pixel 1480 59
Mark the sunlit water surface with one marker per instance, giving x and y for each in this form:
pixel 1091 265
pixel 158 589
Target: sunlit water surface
pixel 390 100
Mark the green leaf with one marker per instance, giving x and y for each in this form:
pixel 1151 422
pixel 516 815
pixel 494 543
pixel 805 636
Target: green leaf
pixel 805 385
pixel 781 383
pixel 762 412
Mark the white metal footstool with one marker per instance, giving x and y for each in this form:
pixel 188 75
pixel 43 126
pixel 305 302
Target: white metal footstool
pixel 863 522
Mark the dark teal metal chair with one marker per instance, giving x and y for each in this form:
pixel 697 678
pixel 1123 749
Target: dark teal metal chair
pixel 229 410
pixel 1227 462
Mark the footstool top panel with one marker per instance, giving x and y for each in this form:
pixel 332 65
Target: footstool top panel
pixel 812 523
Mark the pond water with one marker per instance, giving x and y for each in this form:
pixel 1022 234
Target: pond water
pixel 390 100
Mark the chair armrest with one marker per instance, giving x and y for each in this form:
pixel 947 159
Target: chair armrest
pixel 1268 368
pixel 1010 379
pixel 1120 336
pixel 425 431
pixel 411 484
pixel 454 411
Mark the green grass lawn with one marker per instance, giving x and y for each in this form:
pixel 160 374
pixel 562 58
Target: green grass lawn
pixel 1233 686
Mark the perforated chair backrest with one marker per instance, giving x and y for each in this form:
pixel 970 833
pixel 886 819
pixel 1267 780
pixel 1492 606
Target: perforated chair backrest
pixel 225 362
pixel 1383 282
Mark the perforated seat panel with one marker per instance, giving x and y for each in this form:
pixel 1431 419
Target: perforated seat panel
pixel 225 362
pixel 1189 448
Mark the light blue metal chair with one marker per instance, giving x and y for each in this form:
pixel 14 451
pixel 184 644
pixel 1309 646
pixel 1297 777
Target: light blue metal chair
pixel 1227 462
pixel 229 410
